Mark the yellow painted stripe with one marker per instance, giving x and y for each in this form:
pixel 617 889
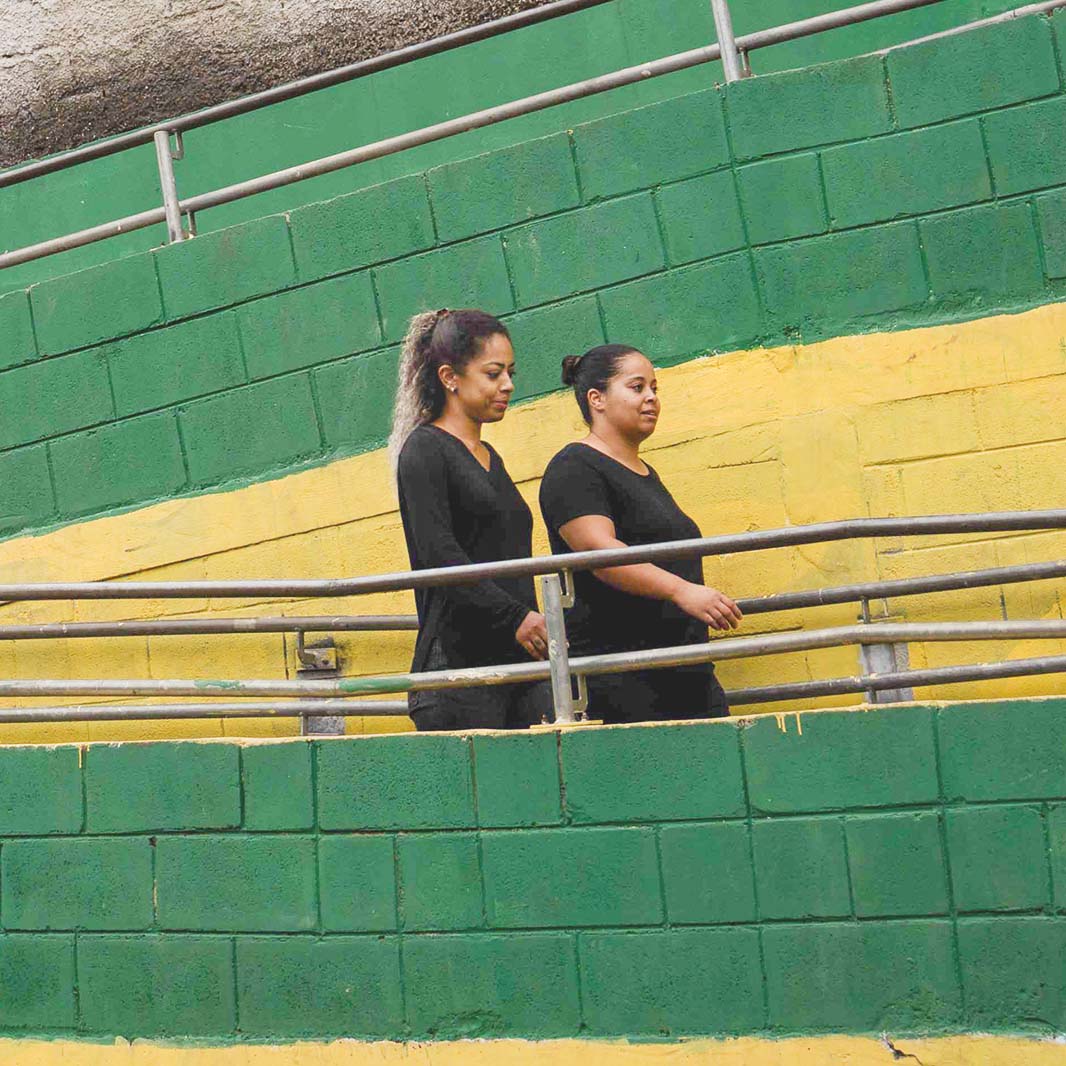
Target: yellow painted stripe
pixel 961 417
pixel 803 1051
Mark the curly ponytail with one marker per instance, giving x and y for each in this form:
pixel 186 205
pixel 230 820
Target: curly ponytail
pixel 434 339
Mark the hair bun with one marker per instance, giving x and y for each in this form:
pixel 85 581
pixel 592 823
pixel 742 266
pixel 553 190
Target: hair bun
pixel 570 364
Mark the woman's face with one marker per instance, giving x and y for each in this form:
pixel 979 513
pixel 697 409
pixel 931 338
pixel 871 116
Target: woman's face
pixel 483 388
pixel 630 403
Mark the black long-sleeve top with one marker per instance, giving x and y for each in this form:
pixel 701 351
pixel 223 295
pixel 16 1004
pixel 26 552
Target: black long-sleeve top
pixel 454 512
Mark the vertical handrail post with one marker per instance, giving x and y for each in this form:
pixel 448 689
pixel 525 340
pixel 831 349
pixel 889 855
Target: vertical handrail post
pixel 723 26
pixel 883 659
pixel 551 590
pixel 165 162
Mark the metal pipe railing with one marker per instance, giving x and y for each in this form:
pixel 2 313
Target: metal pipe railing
pixel 184 627
pixel 789 536
pixel 583 666
pixel 780 601
pixel 290 90
pixel 476 120
pixel 902 679
pixel 1044 8
pixel 907 586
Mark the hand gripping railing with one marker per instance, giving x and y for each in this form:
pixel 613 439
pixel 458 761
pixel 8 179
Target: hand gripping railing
pixel 734 52
pixel 329 697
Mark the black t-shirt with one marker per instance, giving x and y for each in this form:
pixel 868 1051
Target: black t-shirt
pixel 455 512
pixel 582 481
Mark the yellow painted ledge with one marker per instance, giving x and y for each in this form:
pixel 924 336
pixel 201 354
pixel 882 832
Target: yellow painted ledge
pixel 812 1051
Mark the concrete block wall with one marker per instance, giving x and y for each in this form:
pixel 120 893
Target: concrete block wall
pixel 813 203
pixel 217 410
pixel 900 871
pixel 615 35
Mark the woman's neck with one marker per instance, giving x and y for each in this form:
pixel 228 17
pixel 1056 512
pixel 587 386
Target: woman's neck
pixel 460 425
pixel 610 442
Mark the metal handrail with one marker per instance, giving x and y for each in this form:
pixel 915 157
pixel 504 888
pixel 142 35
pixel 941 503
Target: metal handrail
pixel 293 89
pixel 561 670
pixel 582 666
pixel 788 536
pixel 778 601
pixel 901 679
pixel 476 120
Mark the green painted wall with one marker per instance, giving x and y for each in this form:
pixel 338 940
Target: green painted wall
pixel 856 196
pixel 895 870
pixel 620 34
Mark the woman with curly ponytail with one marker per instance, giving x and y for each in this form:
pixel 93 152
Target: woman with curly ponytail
pixel 460 506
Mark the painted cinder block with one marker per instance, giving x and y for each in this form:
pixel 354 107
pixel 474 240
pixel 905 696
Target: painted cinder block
pixel 841 760
pixel 382 222
pixel 1051 212
pixel 1026 146
pixel 440 881
pixel 517 779
pixel 40 791
pixel 392 782
pixel 357 883
pixel 472 274
pixel 861 977
pixel 847 277
pixel 276 779
pixel 988 67
pixel 97 304
pixel 917 171
pixel 800 868
pixel 464 986
pixel 782 198
pixel 649 145
pixel 584 249
pixel 497 189
pixel 225 267
pixel 98 883
pixel 999 860
pixel 801 108
pixel 26 495
pixel 297 986
pixel 310 325
pixel 700 217
pixel 53 397
pixel 181 362
pixel 355 400
pixel 17 342
pixel 1003 751
pixel 165 786
pixel 203 883
pixel 566 877
pixel 664 984
pixel 983 255
pixel 126 462
pixel 896 864
pixel 676 315
pixel 37 982
pixel 1056 823
pixel 163 986
pixel 661 772
pixel 1012 973
pixel 542 337
pixel 707 873
pixel 250 430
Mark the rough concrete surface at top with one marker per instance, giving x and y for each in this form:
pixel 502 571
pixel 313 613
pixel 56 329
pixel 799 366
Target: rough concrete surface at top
pixel 72 71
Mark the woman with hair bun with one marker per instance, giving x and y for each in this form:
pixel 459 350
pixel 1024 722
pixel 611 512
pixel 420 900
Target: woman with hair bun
pixel 598 493
pixel 459 506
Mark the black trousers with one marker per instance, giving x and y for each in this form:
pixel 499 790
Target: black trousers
pixel 677 692
pixel 485 707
